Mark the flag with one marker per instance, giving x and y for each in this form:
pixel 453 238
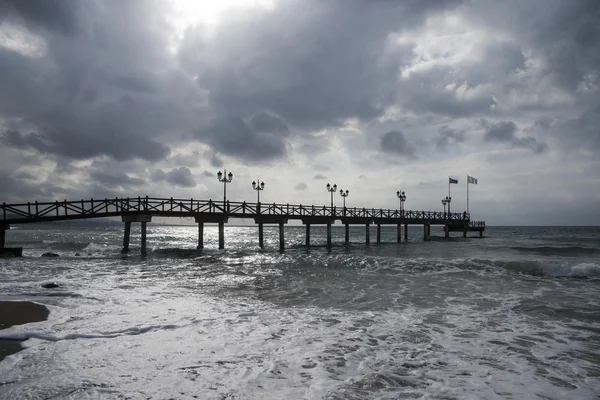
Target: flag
pixel 453 180
pixel 472 180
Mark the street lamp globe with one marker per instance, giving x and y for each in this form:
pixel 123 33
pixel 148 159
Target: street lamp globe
pixel 219 175
pixel 253 184
pixel 230 176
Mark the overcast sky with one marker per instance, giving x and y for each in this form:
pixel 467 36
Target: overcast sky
pixel 126 98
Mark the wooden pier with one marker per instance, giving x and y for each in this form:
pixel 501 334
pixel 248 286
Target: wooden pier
pixel 142 209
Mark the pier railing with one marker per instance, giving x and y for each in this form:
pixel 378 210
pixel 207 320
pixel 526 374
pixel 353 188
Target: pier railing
pixel 95 208
pixel 476 224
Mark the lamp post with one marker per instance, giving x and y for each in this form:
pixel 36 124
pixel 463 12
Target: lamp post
pixel 223 177
pixel 344 195
pixel 332 190
pixel 401 199
pixel 258 187
pixel 448 200
pixel 444 202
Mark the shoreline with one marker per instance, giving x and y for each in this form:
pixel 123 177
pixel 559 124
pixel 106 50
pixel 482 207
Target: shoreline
pixel 18 313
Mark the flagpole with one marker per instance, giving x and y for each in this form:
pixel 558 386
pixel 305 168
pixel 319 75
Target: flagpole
pixel 467 193
pixel 449 196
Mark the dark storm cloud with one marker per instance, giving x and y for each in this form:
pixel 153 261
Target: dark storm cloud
pixel 79 145
pixel 565 36
pixel 262 140
pixel 312 63
pixel 301 186
pixel 447 136
pixel 92 93
pixel 320 177
pixel 394 142
pixel 60 15
pixel 505 132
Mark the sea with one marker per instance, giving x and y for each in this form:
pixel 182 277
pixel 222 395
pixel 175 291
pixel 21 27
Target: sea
pixel 514 314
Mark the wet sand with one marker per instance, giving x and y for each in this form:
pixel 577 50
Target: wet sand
pixel 18 313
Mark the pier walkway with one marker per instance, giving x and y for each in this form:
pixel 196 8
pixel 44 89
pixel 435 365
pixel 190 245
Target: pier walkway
pixel 142 209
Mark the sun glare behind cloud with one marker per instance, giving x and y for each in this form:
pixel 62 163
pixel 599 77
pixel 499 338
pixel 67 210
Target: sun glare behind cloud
pixel 208 12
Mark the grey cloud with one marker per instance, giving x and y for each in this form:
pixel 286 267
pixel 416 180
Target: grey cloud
pixel 233 136
pixel 301 186
pixel 214 158
pixel 181 176
pixel 320 177
pixel 363 177
pixel 505 132
pixel 448 135
pixel 394 142
pixel 159 175
pixel 320 167
pixel 113 179
pixel 208 174
pixel 334 62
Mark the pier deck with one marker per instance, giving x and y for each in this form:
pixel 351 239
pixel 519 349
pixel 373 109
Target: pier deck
pixel 142 209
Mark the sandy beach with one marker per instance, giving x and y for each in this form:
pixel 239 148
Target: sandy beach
pixel 18 313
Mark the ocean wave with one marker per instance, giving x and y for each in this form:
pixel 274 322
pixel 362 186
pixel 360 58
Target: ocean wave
pixel 97 248
pixel 138 330
pixel 558 250
pixel 550 269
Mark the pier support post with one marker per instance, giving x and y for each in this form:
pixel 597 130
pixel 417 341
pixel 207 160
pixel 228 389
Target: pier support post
pixel 308 234
pixel 221 235
pixel 3 229
pixel 128 219
pixel 261 242
pixel 447 230
pixel 424 231
pixel 428 229
pixel 281 239
pixel 144 237
pixel 480 233
pixel 465 231
pixel 329 235
pixel 126 237
pixel 200 235
pixel 347 233
pixel 399 233
pixel 367 233
pixel 378 233
pixel 405 233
